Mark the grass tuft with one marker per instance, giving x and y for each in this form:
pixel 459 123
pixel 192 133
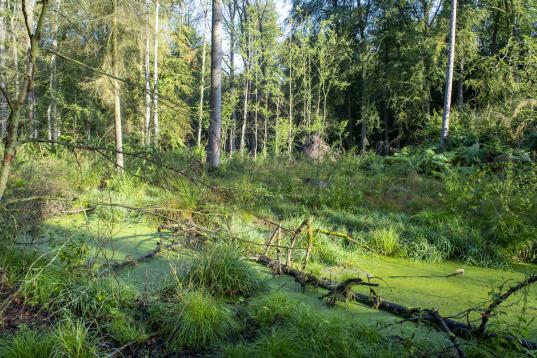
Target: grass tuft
pixel 198 321
pixel 385 241
pixel 221 270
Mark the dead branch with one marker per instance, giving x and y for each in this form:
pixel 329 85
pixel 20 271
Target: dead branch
pixel 500 299
pixel 459 329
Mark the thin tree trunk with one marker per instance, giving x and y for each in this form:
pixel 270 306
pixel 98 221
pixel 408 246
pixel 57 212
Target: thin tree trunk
pixel 31 93
pixel 202 83
pixel 117 99
pixel 449 76
pixel 276 132
pixel 3 101
pixel 363 127
pixel 10 143
pixel 14 45
pixel 244 114
pixel 460 86
pixel 290 129
pixel 265 121
pixel 52 117
pixel 256 111
pixel 147 126
pixel 155 76
pixel 215 127
pixel 233 11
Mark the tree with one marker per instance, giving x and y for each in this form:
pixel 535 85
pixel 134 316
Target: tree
pixel 449 75
pixel 15 106
pixel 202 82
pixel 147 77
pixel 3 34
pixel 117 99
pixel 155 76
pixel 215 127
pixel 53 129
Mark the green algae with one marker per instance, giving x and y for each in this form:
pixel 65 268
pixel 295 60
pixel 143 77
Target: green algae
pixel 413 284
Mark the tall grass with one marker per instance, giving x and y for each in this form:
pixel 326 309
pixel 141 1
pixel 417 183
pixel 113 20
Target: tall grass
pixel 197 321
pixel 221 270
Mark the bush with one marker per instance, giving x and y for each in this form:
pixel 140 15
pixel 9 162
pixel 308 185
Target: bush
pixel 385 241
pixel 197 321
pixel 222 271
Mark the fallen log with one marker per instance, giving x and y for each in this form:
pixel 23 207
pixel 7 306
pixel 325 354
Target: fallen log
pixel 428 316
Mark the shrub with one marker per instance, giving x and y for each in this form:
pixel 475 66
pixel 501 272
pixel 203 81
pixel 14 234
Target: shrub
pixel 385 241
pixel 221 270
pixel 196 322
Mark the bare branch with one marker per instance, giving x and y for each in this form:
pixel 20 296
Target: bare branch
pixel 6 96
pixel 26 20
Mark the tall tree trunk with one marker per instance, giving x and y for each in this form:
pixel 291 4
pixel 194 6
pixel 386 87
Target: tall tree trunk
pixel 147 126
pixel 215 127
pixel 155 76
pixel 256 111
pixel 363 127
pixel 3 101
pixel 15 51
pixel 117 99
pixel 265 121
pixel 460 86
pixel 449 75
pixel 52 109
pixel 202 83
pixel 233 11
pixel 290 129
pixel 31 93
pixel 244 114
pixel 10 143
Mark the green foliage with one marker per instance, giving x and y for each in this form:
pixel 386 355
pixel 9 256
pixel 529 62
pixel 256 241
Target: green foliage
pixel 28 343
pixel 289 328
pixel 197 321
pixel 70 338
pixel 385 241
pixel 221 270
pixel 124 328
pixel 73 339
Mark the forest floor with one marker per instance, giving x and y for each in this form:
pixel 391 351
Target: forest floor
pixel 151 270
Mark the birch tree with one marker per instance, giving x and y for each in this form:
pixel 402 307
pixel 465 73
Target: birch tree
pixel 449 75
pixel 147 77
pixel 117 100
pixel 155 76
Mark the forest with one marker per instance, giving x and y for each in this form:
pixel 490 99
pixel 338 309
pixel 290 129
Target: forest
pixel 272 178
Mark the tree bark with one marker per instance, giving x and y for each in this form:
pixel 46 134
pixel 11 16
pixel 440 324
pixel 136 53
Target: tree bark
pixel 3 100
pixel 147 127
pixel 202 83
pixel 117 99
pixel 449 75
pixel 10 143
pixel 233 12
pixel 155 76
pixel 215 127
pixel 31 93
pixel 460 86
pixel 52 109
